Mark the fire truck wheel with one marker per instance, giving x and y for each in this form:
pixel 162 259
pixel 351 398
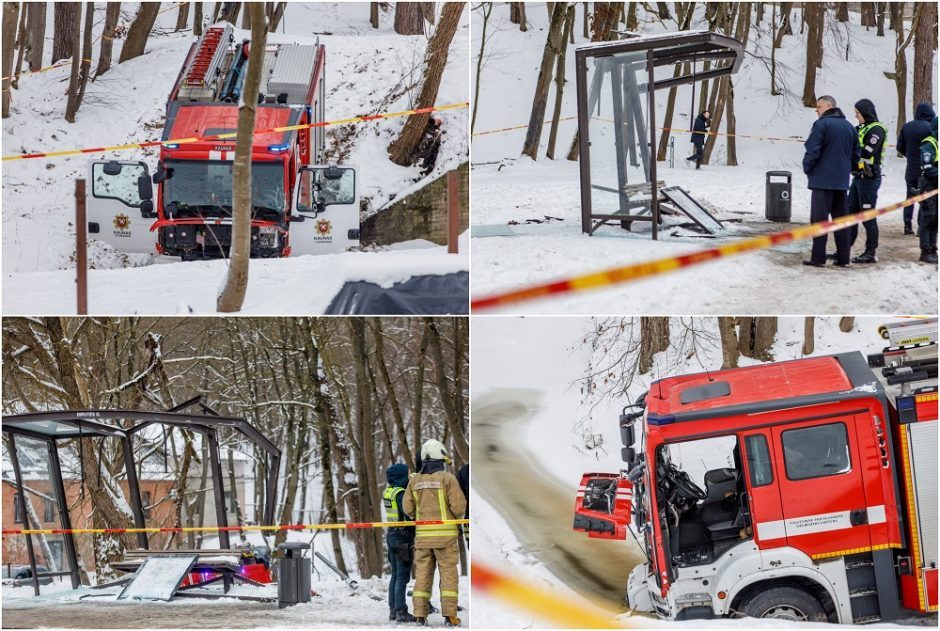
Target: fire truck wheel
pixel 784 602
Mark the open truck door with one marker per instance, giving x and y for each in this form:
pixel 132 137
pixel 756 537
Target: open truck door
pixel 119 206
pixel 604 505
pixel 326 217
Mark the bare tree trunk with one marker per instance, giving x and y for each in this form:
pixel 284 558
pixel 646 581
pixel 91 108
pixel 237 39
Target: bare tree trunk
pixel 729 343
pixel 20 45
pixel 402 151
pixel 71 106
pixel 36 23
pixel 785 29
pixel 486 10
pixel 236 284
pixel 773 50
pixel 560 81
pixel 409 18
pixel 925 43
pixel 868 13
pixel 139 31
pixel 517 15
pixel 586 27
pixel 632 23
pixel 900 63
pixel 374 14
pixel 813 19
pixel 846 324
pixel 75 100
pixel 809 335
pixel 685 21
pixel 10 12
pixel 881 19
pixel 246 20
pixel 182 16
pixel 112 13
pixel 756 337
pixel 197 19
pixel 553 44
pixel 663 10
pixel 63 19
pixel 654 338
pixel 277 15
pixel 842 11
pixel 230 11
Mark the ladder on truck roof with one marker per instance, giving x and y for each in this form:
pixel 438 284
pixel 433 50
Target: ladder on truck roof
pixel 205 65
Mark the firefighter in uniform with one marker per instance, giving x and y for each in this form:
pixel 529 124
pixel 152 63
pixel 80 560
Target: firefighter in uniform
pixel 399 542
pixel 433 494
pixel 928 208
pixel 866 177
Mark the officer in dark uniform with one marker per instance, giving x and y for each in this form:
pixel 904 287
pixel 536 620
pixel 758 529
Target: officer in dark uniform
pixel 832 154
pixel 699 132
pixel 928 207
pixel 866 180
pixel 910 138
pixel 399 541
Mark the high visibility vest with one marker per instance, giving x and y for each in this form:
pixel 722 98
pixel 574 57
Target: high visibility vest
pixel 932 141
pixel 389 497
pixel 862 131
pixel 434 530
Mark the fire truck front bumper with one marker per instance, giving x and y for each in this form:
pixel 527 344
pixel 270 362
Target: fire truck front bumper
pixel 639 595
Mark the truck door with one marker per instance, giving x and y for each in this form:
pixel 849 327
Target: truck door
pixel 327 206
pixel 818 466
pixel 763 495
pixel 117 212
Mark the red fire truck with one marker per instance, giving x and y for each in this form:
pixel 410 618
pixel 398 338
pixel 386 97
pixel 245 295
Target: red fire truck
pixel 299 206
pixel 823 508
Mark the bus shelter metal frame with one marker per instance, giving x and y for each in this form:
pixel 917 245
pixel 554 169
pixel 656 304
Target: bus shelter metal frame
pixel 88 423
pixel 667 49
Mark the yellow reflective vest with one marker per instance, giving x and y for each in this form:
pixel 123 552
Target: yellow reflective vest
pixel 434 497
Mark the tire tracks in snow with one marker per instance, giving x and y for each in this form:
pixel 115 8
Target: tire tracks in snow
pixel 538 508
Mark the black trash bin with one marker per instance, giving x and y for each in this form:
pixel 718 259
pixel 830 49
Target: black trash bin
pixel 778 196
pixel 293 574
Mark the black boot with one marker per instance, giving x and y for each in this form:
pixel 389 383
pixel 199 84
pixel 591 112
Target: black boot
pixel 927 256
pixel 908 228
pixel 404 616
pixel 392 615
pixel 868 256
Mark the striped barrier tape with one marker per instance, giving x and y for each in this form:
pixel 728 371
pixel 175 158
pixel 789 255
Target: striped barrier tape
pixel 156 530
pixel 636 271
pixel 365 118
pixel 47 68
pixel 558 608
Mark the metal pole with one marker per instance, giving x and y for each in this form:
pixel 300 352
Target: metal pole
pixel 219 492
pixel 133 489
pixel 81 249
pixel 64 519
pixel 21 496
pixel 453 211
pixel 584 158
pixel 651 98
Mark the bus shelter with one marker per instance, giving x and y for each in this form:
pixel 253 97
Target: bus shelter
pixel 616 89
pixel 43 433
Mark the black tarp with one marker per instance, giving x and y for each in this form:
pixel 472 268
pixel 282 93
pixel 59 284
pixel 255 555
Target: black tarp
pixel 433 294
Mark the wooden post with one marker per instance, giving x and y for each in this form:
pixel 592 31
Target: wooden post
pixel 81 249
pixel 453 211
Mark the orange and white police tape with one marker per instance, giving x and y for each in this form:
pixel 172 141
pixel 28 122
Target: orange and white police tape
pixel 636 271
pixel 561 610
pixel 53 67
pixel 365 118
pixel 277 527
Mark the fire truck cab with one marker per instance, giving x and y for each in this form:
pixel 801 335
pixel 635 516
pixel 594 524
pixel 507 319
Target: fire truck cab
pixel 803 490
pixel 299 205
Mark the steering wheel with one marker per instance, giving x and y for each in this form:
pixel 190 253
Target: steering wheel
pixel 686 487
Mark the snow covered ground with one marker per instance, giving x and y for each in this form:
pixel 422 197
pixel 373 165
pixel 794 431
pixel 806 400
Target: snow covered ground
pixel 542 360
pixel 508 189
pixel 368 70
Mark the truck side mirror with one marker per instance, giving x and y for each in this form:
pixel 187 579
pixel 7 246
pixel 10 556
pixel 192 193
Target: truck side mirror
pixel 161 175
pixel 628 455
pixel 112 167
pixel 146 209
pixel 144 188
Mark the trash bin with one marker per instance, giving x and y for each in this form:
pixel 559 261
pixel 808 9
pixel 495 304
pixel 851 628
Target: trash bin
pixel 778 196
pixel 293 574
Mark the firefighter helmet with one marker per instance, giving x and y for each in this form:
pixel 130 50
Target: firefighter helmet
pixel 433 449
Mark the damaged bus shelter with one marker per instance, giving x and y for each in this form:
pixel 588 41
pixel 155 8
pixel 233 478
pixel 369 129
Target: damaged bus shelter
pixel 618 150
pixel 45 432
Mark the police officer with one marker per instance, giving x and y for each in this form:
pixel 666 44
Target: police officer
pixel 928 207
pixel 699 132
pixel 399 541
pixel 910 138
pixel 434 495
pixel 866 180
pixel 832 154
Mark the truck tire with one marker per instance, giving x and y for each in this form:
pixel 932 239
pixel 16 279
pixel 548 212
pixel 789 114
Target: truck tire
pixel 785 603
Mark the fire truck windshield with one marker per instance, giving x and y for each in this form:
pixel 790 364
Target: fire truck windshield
pixel 199 188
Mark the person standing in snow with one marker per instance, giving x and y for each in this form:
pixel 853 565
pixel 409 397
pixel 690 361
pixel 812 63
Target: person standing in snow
pixel 913 133
pixel 699 132
pixel 433 494
pixel 928 208
pixel 430 144
pixel 832 154
pixel 866 180
pixel 463 477
pixel 399 541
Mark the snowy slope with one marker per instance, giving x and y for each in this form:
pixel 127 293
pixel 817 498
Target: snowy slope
pixel 507 188
pixel 547 356
pixel 368 70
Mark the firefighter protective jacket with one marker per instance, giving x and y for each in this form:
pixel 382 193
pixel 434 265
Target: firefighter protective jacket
pixel 432 497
